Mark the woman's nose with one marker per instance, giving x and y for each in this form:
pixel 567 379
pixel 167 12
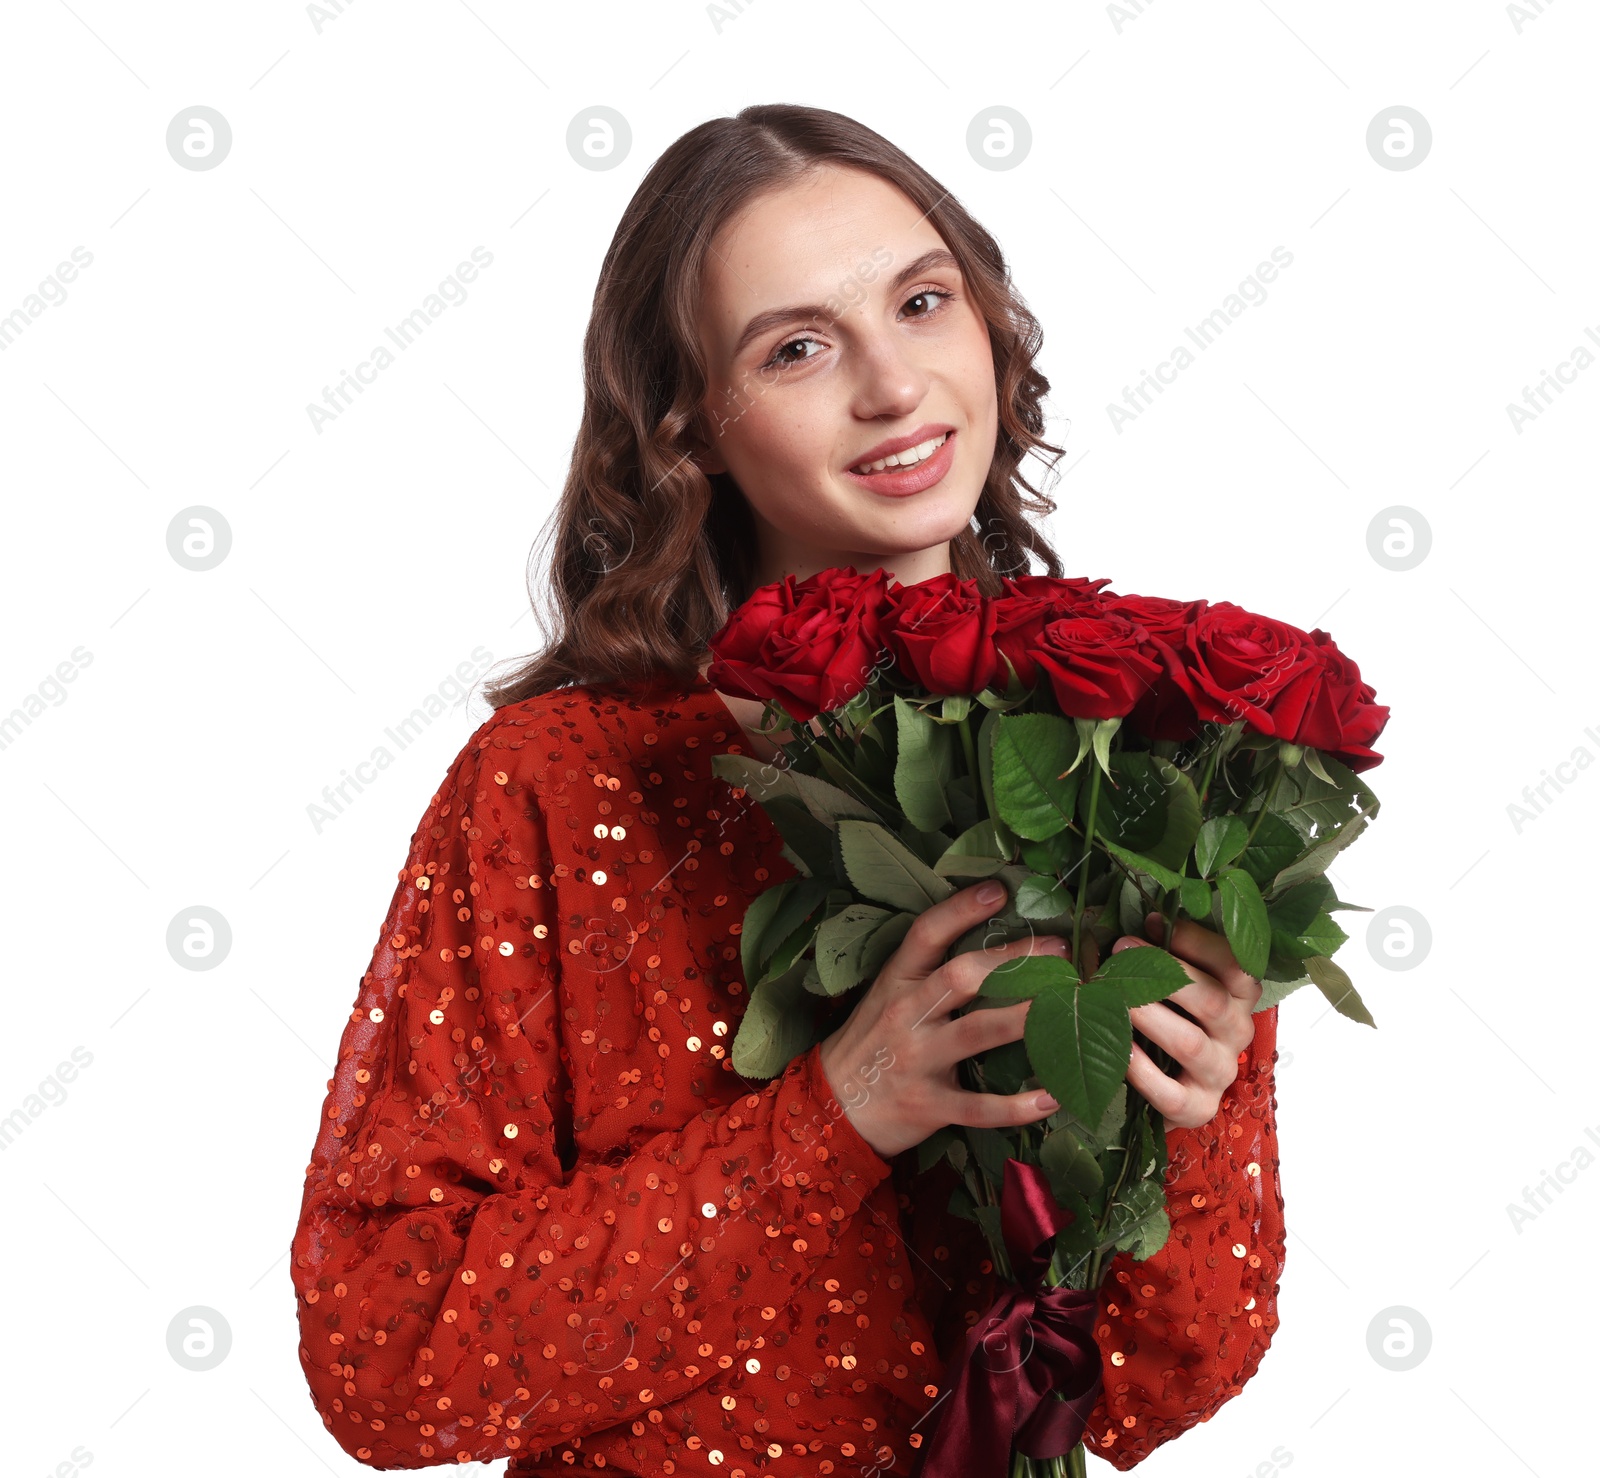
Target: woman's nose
pixel 889 381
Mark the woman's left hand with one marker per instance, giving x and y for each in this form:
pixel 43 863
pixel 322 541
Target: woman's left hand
pixel 1220 997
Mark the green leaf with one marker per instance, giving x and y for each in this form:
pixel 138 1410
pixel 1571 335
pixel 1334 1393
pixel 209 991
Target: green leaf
pixel 1031 753
pixel 846 779
pixel 1005 1068
pixel 986 736
pixel 1313 759
pixel 840 942
pixel 1024 976
pixel 1080 1236
pixel 1221 839
pixel 777 1025
pixel 811 841
pixel 1103 731
pixel 1131 808
pixel 1196 898
pixel 1043 898
pixel 954 865
pixel 1275 991
pixel 1142 973
pixel 1292 912
pixel 978 843
pixel 797 906
pixel 755 947
pixel 1244 920
pixel 1098 1137
pixel 886 939
pixel 991 1149
pixel 1317 860
pixel 1182 816
pixel 1079 1040
pixel 924 766
pixel 828 803
pixel 1147 1235
pixel 1275 845
pixel 1163 877
pixel 884 869
pixel 1336 986
pixel 1321 937
pixel 1069 1163
pixel 933 1148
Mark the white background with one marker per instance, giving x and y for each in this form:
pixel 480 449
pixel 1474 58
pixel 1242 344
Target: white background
pixel 1171 151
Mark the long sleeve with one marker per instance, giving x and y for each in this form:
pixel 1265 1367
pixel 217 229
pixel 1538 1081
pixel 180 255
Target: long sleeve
pixel 471 1285
pixel 1180 1333
pixel 1183 1331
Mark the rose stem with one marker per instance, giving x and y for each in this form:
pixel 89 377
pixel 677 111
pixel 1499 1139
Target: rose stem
pixel 1088 853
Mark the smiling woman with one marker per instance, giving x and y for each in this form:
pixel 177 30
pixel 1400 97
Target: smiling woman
pixel 544 1219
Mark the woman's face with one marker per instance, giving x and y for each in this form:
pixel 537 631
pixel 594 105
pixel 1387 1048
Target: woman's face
pixel 834 320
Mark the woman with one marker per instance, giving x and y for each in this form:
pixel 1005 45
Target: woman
pixel 544 1219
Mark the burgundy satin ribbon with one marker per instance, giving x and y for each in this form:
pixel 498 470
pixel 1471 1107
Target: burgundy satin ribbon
pixel 1034 1343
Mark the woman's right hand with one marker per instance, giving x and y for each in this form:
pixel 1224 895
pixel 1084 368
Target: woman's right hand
pixel 893 1062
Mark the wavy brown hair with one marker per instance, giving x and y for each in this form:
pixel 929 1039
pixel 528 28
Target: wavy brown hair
pixel 650 553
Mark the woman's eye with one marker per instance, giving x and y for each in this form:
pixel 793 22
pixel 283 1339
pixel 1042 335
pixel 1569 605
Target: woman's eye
pixel 781 359
pixel 778 356
pixel 927 292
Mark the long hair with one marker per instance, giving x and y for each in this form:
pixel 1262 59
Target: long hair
pixel 650 553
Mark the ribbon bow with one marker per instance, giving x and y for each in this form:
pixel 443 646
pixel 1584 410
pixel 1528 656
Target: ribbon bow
pixel 1035 1343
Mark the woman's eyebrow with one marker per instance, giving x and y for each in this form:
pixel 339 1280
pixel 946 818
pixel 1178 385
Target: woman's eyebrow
pixel 777 317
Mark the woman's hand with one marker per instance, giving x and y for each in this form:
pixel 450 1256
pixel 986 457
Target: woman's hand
pixel 893 1063
pixel 1220 997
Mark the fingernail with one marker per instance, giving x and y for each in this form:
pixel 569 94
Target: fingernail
pixel 1046 1104
pixel 991 892
pixel 1056 946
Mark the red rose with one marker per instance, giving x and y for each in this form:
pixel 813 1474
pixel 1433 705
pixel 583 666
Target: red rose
pixel 941 632
pixel 1165 711
pixel 1068 590
pixel 1030 604
pixel 1342 719
pixel 1096 664
pixel 1161 617
pixel 810 646
pixel 1234 664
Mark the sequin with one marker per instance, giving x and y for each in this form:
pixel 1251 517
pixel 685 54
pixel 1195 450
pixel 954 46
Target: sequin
pixel 531 1230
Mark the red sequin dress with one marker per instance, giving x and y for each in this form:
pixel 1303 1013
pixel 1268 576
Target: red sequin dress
pixel 545 1220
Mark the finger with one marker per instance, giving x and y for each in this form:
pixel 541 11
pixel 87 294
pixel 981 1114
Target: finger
pixel 967 972
pixel 1208 949
pixel 995 1110
pixel 955 983
pixel 1206 1000
pixel 977 1031
pixel 1207 1061
pixel 931 934
pixel 1167 1096
pixel 1197 976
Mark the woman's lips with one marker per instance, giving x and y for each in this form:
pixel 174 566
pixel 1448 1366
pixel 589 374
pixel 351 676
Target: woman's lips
pixel 898 482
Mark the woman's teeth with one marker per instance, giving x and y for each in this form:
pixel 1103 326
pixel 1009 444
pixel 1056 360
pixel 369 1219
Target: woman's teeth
pixel 907 458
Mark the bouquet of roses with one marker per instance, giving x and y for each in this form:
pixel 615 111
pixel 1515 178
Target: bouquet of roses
pixel 1104 756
